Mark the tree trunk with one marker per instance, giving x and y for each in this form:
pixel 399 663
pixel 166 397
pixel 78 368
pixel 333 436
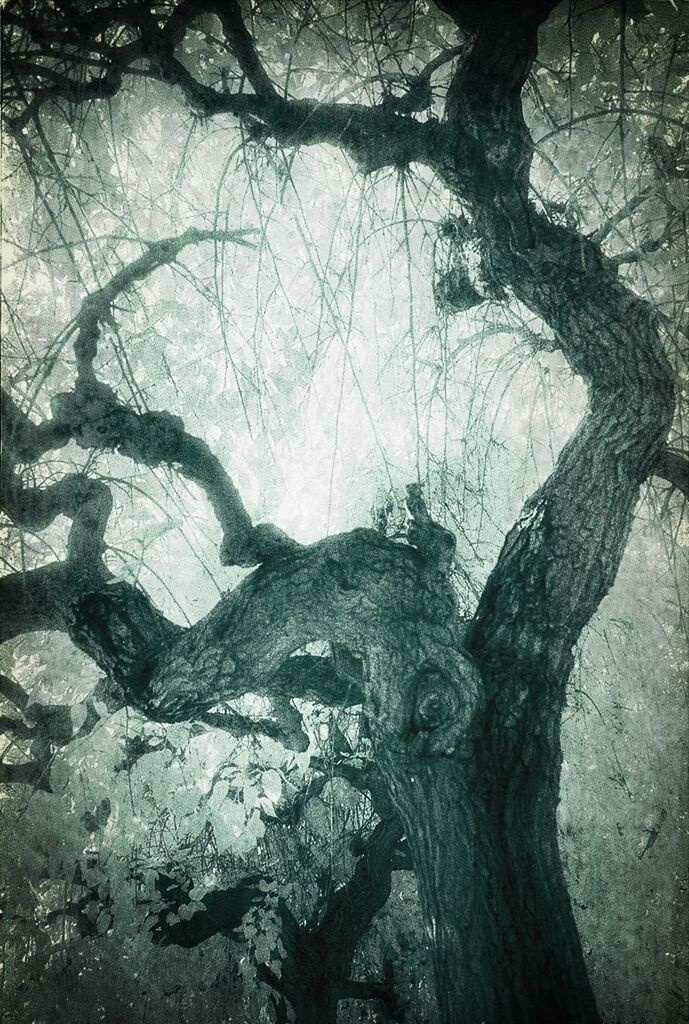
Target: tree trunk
pixel 482 832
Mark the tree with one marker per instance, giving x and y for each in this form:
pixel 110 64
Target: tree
pixel 463 714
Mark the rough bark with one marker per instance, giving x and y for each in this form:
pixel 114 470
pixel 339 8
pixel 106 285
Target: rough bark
pixel 465 722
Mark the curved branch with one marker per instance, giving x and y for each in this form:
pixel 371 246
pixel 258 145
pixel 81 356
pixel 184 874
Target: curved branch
pixel 96 308
pixel 374 137
pixel 242 45
pixel 93 416
pixel 353 589
pixel 359 591
pixel 352 907
pixel 96 419
pixel 561 557
pixel 673 466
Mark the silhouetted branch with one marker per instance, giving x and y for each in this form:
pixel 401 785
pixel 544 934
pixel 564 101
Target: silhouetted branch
pixel 16 727
pixel 242 45
pixel 673 466
pixel 46 727
pixel 28 773
pixel 13 692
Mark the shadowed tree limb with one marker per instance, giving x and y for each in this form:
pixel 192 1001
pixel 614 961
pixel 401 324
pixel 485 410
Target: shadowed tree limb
pixel 46 727
pixel 470 752
pixel 318 956
pixel 15 727
pixel 28 773
pixel 93 416
pixel 13 692
pixel 673 466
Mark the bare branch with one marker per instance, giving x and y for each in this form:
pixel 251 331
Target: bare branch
pixel 243 47
pixel 673 466
pixel 96 309
pixel 622 215
pixel 16 727
pixel 92 415
pixel 102 87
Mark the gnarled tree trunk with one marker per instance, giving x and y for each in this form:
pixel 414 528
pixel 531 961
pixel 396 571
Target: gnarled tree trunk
pixel 465 718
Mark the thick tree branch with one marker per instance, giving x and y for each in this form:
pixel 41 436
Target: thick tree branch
pixel 103 87
pixel 309 677
pixel 374 137
pixel 42 599
pixel 96 309
pixel 319 954
pixel 350 589
pixel 242 46
pixel 13 692
pixel 673 466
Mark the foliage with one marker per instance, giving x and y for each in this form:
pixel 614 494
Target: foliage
pixel 326 361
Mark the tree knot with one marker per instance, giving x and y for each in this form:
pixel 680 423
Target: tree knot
pixel 443 708
pixel 436 701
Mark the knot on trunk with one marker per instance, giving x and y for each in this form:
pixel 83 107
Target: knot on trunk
pixel 443 709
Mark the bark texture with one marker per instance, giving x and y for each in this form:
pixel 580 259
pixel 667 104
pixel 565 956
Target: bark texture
pixel 464 717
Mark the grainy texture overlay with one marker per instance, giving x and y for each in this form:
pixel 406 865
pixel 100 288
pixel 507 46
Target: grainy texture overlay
pixel 344 481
